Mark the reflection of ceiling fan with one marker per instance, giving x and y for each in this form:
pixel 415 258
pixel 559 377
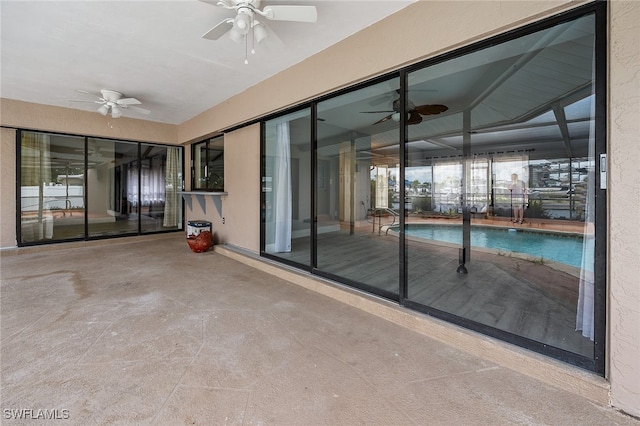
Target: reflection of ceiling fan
pixel 114 102
pixel 245 20
pixel 415 112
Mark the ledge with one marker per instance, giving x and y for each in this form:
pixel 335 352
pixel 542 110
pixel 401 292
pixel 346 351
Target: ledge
pixel 200 197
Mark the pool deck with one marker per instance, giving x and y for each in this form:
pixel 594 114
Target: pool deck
pixel 568 226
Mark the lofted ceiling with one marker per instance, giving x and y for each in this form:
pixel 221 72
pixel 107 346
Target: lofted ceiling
pixel 154 51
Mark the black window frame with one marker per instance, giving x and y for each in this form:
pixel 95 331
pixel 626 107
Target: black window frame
pixel 86 236
pixel 198 145
pixel 596 364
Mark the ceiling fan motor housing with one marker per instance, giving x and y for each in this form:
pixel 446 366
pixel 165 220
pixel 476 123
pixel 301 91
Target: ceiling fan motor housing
pixel 110 95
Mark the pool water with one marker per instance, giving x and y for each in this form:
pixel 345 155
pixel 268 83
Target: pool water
pixel 557 247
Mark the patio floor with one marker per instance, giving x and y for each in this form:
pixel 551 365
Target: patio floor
pixel 143 331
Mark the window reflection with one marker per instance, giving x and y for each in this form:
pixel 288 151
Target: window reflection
pixel 120 188
pixel 286 187
pixel 357 198
pixel 511 166
pixel 208 165
pixel 52 190
pixel 496 189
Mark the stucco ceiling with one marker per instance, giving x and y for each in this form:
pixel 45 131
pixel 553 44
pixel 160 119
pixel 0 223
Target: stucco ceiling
pixel 153 50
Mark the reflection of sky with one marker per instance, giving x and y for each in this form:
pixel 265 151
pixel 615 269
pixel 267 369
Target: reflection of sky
pixel 502 169
pixel 421 174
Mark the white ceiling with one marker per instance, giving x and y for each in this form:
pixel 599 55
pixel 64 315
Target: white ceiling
pixel 153 50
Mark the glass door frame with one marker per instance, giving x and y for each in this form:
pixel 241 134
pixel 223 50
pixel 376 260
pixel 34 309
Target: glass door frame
pixel 597 363
pixel 85 236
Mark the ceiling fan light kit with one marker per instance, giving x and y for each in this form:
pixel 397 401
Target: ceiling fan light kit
pixel 104 110
pixel 245 22
pixel 242 23
pixel 115 111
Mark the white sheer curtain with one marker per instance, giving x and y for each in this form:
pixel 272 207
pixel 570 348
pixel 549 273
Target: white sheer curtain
pixel 36 172
pixel 585 308
pixel 171 189
pixel 282 189
pixel 152 182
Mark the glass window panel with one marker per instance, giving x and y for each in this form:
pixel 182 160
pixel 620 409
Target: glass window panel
pixel 359 187
pixel 510 189
pixel 111 196
pixel 52 187
pixel 208 165
pixel 215 164
pixel 113 188
pixel 199 180
pixel 161 179
pixel 286 186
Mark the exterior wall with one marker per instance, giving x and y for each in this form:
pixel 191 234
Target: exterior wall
pixel 18 114
pixel 624 204
pixel 458 24
pixel 439 26
pixel 242 180
pixel 240 209
pixel 28 115
pixel 8 188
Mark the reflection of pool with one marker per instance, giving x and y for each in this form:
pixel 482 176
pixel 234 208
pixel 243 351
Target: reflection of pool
pixel 557 247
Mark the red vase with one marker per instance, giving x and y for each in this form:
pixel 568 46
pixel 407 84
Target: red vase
pixel 201 243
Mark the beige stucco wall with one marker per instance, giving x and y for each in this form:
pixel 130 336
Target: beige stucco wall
pixel 624 204
pixel 443 26
pixel 240 209
pixel 438 26
pixel 28 115
pixel 25 115
pixel 242 181
pixel 7 188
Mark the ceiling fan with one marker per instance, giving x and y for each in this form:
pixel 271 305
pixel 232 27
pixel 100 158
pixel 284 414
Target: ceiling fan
pixel 113 102
pixel 245 22
pixel 415 112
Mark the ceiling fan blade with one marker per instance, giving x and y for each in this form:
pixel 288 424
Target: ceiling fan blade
pixel 139 110
pixel 291 13
pixel 128 101
pixel 87 93
pixel 414 117
pixel 431 109
pixel 87 101
pixel 382 99
pixel 219 30
pixel 215 2
pixel 84 92
pixel 382 120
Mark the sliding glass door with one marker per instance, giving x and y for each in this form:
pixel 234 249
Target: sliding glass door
pixel 506 240
pixel 464 187
pixel 52 187
pixel 160 181
pixel 286 188
pixel 112 184
pixel 109 188
pixel 358 188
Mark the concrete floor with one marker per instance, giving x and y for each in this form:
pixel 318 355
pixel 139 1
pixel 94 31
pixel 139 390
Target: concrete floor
pixel 142 330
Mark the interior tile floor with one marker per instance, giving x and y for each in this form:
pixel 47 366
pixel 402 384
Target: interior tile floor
pixel 143 331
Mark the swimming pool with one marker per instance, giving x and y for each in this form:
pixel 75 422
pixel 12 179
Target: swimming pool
pixel 563 248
